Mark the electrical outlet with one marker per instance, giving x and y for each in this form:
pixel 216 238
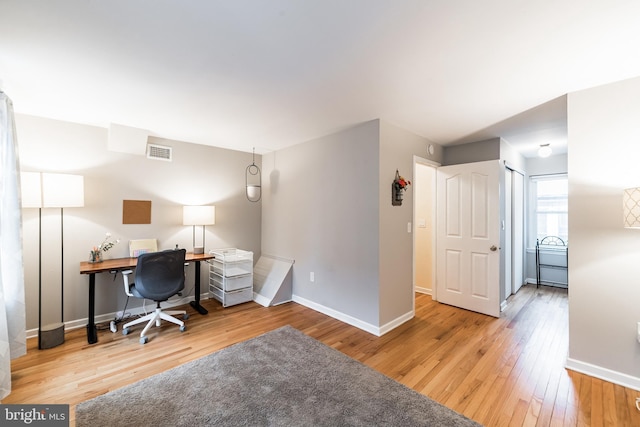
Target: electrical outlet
pixel 312 277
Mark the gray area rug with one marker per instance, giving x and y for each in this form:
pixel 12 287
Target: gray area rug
pixel 281 378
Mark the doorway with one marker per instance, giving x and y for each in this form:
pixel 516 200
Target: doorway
pixel 514 232
pixel 424 220
pixel 424 239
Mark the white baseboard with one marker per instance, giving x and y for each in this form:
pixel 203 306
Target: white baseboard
pixel 396 322
pixel 422 290
pixel 604 374
pixel 367 327
pixel 82 323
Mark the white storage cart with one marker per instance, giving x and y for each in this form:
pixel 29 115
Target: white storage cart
pixel 231 276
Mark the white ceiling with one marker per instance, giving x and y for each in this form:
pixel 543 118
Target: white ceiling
pixel 272 73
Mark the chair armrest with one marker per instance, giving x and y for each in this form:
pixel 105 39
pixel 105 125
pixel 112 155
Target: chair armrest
pixel 127 285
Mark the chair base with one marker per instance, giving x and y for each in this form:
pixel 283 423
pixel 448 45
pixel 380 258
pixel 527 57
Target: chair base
pixel 155 318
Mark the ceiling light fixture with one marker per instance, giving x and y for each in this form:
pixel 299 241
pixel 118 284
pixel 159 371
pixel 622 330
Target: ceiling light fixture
pixel 544 150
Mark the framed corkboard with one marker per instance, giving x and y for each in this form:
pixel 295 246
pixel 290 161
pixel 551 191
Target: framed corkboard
pixel 136 212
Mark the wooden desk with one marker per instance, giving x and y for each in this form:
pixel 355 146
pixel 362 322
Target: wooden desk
pixel 120 264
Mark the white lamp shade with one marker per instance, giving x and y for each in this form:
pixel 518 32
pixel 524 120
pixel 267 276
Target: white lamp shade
pixel 631 207
pixel 61 190
pixel 31 186
pixel 199 215
pixel 253 192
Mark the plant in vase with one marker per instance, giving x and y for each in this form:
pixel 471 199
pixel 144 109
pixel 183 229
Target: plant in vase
pixel 401 183
pixel 399 186
pixel 96 253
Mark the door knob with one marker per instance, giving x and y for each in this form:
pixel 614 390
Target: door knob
pixel 493 248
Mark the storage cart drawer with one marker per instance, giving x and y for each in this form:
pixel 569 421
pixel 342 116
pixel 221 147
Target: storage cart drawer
pixel 230 283
pixel 230 269
pixel 231 298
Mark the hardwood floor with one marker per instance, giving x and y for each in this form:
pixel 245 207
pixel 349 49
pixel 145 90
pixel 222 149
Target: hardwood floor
pixel 507 371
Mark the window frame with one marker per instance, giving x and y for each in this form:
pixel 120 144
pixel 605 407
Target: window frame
pixel 533 204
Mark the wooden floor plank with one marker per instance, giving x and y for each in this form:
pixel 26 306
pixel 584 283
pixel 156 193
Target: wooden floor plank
pixel 506 371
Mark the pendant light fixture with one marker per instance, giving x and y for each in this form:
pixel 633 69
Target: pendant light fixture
pixel 253 181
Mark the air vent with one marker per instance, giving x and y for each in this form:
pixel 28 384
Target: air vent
pixel 159 152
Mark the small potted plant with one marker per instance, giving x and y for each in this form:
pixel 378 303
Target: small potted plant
pixel 96 253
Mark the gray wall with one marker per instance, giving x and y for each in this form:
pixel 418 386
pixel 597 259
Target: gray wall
pixel 197 175
pixel 472 152
pixel 327 204
pixel 320 208
pixel 397 148
pixel 604 293
pixel 550 165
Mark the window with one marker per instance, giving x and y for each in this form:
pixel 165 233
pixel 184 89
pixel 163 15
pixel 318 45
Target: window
pixel 550 207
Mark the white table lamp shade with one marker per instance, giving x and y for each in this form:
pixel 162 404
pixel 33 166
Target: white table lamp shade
pixel 199 215
pixel 631 207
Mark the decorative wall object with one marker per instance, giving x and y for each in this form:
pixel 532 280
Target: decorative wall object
pixel 136 212
pixel 398 187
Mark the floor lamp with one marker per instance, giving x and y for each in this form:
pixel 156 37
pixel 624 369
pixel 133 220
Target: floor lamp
pixel 58 191
pixel 31 194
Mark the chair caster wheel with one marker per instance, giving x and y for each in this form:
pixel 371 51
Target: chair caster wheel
pixel 144 340
pixel 125 331
pixel 185 317
pixel 183 328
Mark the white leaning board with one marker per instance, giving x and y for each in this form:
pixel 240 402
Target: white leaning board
pixel 272 280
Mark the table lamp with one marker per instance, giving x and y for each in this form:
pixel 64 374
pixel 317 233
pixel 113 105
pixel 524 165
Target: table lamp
pixel 198 215
pixel 631 207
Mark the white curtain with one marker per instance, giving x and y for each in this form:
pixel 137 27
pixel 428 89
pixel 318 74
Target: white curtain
pixel 13 341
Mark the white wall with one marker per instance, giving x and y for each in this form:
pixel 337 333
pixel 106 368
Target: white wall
pixel 197 175
pixel 604 267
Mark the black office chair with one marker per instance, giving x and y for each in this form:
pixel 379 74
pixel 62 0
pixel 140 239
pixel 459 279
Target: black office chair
pixel 159 276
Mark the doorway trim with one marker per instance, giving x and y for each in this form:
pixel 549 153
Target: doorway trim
pixel 417 162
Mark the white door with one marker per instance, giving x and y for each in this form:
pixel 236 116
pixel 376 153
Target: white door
pixel 468 236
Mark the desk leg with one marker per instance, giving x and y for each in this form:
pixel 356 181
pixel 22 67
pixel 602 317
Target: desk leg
pixel 92 332
pixel 196 304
